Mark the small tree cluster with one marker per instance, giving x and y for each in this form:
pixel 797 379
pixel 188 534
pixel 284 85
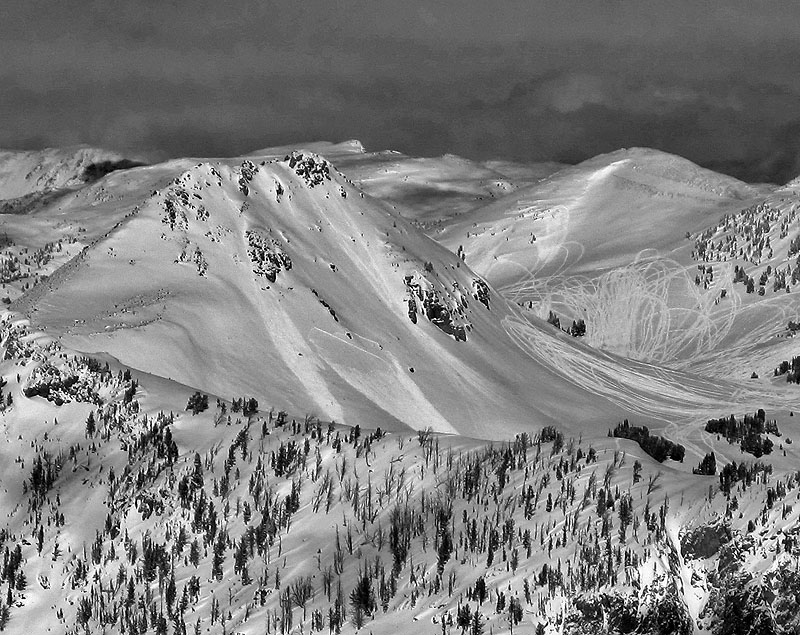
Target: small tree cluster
pixel 708 466
pixel 197 403
pixel 657 447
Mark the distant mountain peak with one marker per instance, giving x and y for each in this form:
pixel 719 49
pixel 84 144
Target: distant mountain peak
pixel 35 172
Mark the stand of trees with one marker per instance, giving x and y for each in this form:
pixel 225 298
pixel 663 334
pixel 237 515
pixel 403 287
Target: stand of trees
pixel 746 431
pixel 790 369
pixel 745 473
pixel 659 448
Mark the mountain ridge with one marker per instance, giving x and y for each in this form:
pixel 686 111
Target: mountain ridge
pixel 261 394
pixel 351 255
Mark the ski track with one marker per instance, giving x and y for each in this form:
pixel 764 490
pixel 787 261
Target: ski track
pixel 679 399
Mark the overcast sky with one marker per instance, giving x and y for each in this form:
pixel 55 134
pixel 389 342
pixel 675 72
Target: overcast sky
pixel 715 81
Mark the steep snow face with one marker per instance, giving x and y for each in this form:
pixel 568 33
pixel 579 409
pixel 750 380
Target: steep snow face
pixel 277 278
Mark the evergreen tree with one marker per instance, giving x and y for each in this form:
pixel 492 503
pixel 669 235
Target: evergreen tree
pixel 625 512
pixel 362 597
pixel 708 466
pixel 480 593
pixel 219 556
pixel 477 624
pixel 194 553
pixel 90 425
pixel 514 613
pixel 171 592
pixel 197 474
pixel 445 549
pixel 463 617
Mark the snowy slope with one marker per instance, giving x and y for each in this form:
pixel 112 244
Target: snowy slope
pixel 598 214
pixel 272 276
pixel 272 279
pixel 612 241
pixel 174 288
pixel 24 173
pixel 433 190
pixel 152 501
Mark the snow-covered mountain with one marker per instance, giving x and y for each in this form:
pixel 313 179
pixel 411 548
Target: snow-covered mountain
pixel 594 216
pixel 622 242
pixel 29 177
pixel 277 278
pixel 202 359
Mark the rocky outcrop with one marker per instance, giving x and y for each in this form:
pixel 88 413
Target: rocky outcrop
pixel 447 314
pixel 705 541
pixel 313 170
pixel 266 255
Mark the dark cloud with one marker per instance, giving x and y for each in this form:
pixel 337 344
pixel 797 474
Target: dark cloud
pixel 716 82
pixel 748 130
